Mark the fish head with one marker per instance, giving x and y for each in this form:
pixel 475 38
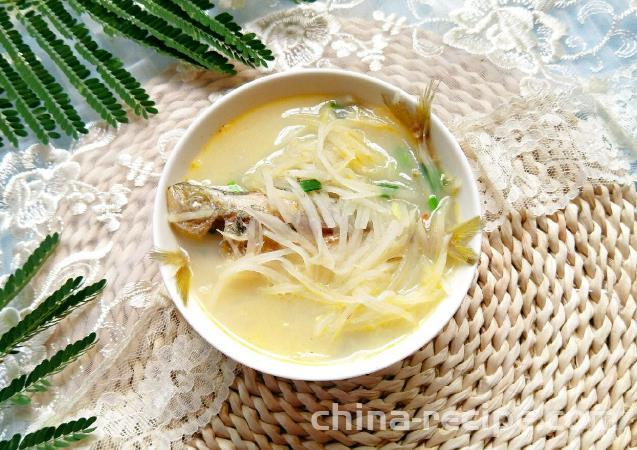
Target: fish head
pixel 191 208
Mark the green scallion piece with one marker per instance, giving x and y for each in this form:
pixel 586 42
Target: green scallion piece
pixel 433 202
pixel 431 176
pixel 310 185
pixel 404 158
pixel 388 185
pixel 235 188
pixel 387 189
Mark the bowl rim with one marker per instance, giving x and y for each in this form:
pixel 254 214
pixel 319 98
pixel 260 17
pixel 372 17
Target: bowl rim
pixel 232 347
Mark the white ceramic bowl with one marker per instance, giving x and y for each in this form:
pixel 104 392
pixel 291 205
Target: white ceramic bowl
pixel 313 81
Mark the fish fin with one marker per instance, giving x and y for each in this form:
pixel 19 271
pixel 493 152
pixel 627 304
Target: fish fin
pixel 464 231
pixel 403 112
pixel 180 259
pixel 182 278
pixel 417 119
pixel 462 254
pixel 171 257
pixel 460 235
pixel 423 109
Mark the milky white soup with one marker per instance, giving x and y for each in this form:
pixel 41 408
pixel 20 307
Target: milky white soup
pixel 353 250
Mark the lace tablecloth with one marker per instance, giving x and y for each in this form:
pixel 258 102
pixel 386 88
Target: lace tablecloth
pixel 541 95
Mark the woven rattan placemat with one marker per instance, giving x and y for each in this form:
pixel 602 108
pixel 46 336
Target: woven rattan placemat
pixel 548 327
pixel 544 343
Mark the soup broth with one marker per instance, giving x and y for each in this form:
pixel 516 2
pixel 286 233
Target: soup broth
pixel 355 263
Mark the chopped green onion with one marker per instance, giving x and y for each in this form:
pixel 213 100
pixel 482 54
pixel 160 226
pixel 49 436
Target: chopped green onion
pixel 432 177
pixel 388 185
pixel 338 109
pixel 387 188
pixel 234 187
pixel 310 185
pixel 404 158
pixel 433 202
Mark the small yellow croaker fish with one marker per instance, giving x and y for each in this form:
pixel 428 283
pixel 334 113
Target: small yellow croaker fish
pixel 181 261
pixel 195 208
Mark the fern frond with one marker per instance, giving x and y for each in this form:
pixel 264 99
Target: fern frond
pixel 35 101
pixel 28 325
pixel 97 95
pixel 204 28
pixel 203 4
pixel 250 39
pixel 6 128
pixel 113 24
pixel 35 381
pixel 108 66
pixel 18 280
pixel 11 444
pixel 52 437
pixel 135 23
pixel 26 103
pixel 57 306
pixel 56 101
pixel 169 12
pixel 11 126
pixel 5 131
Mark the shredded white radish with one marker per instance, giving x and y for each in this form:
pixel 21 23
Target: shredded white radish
pixel 358 245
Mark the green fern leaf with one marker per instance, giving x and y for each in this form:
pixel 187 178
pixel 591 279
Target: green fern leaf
pixel 108 66
pixel 173 15
pixel 225 20
pixel 97 95
pixel 18 280
pixel 114 25
pixel 35 381
pixel 26 103
pixel 53 309
pixel 249 39
pixel 203 4
pixel 52 437
pixel 11 444
pixel 57 102
pixel 35 101
pixel 10 124
pixel 27 325
pixel 39 386
pixel 7 131
pixel 203 28
pixel 135 23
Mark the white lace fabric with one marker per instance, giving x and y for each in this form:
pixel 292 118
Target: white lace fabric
pixel 532 137
pixel 151 380
pixel 535 153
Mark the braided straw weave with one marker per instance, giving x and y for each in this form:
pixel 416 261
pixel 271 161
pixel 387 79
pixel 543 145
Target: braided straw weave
pixel 548 326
